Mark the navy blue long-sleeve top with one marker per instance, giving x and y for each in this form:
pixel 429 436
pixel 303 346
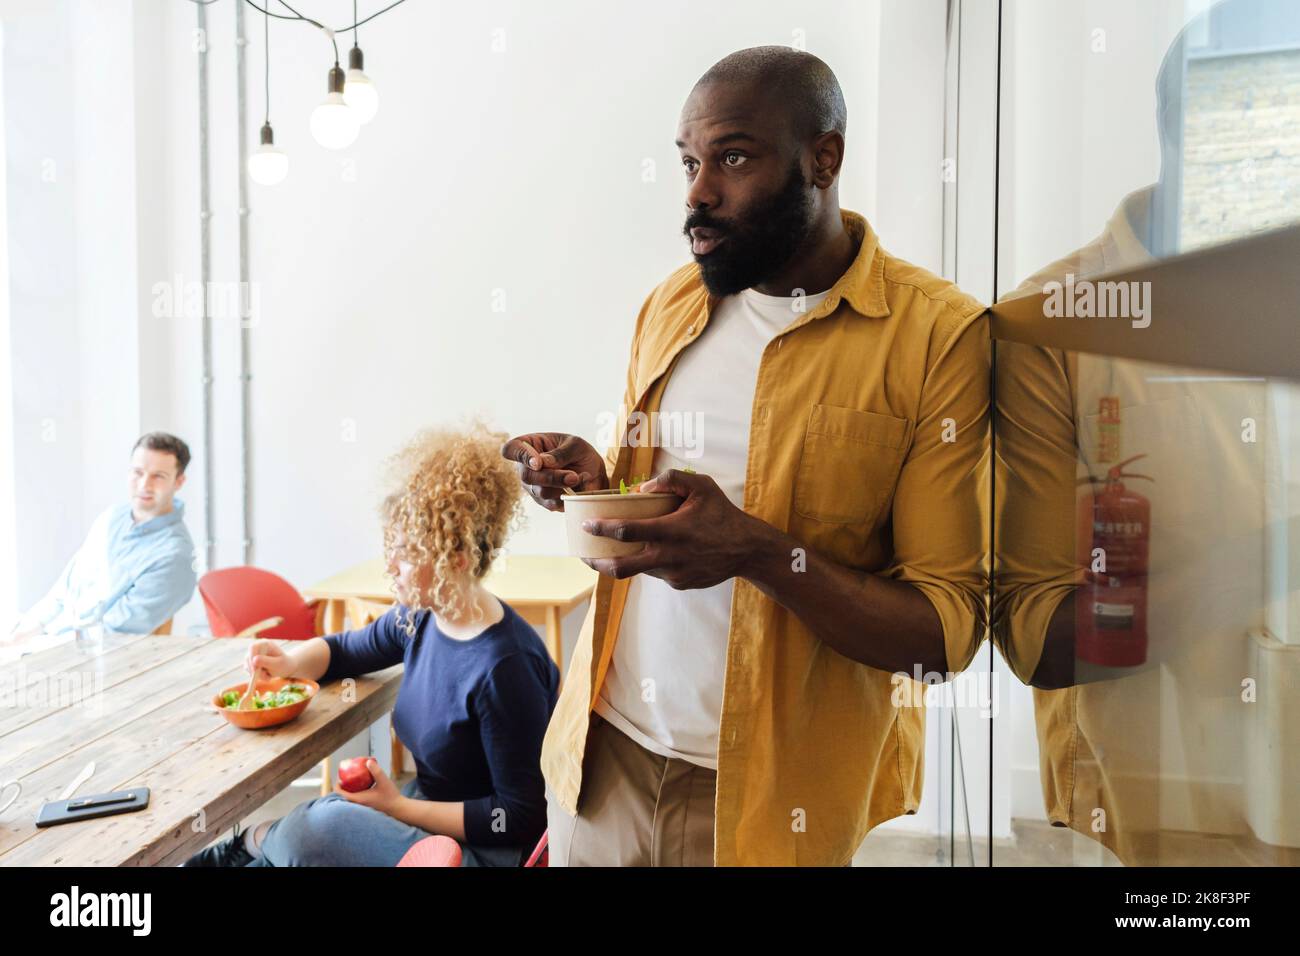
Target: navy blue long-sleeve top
pixel 472 712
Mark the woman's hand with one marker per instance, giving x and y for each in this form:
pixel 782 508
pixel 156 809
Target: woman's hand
pixel 270 657
pixel 383 796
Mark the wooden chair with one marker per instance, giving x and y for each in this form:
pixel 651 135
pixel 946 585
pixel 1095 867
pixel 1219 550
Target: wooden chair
pixel 165 628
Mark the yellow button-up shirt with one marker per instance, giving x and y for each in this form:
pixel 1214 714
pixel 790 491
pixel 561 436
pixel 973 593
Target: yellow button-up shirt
pixel 868 443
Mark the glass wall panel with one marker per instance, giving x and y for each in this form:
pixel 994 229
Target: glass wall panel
pixel 1146 561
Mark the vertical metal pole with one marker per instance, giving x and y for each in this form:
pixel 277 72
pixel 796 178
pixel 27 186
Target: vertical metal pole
pixel 993 413
pixel 245 293
pixel 205 270
pixel 951 137
pixel 946 806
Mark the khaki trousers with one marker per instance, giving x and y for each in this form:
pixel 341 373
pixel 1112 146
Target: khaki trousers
pixel 635 808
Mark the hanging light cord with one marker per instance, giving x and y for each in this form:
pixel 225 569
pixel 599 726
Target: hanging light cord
pixel 316 23
pixel 298 16
pixel 266 53
pixel 308 20
pixel 267 14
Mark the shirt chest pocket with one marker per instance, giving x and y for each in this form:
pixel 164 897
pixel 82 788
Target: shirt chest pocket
pixel 849 464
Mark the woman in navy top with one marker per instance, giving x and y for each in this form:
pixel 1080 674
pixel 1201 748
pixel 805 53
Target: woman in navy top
pixel 477 691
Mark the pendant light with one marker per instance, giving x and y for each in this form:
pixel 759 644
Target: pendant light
pixel 268 164
pixel 334 124
pixel 358 90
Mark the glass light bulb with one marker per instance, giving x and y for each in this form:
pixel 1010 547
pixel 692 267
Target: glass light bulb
pixel 360 94
pixel 268 165
pixel 334 124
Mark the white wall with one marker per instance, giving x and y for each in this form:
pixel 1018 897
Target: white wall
pixel 72 229
pixel 8 509
pixel 1079 130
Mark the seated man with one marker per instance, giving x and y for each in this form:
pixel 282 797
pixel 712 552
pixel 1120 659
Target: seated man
pixel 135 568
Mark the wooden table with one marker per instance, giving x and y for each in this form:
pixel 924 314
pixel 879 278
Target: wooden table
pixel 141 709
pixel 541 588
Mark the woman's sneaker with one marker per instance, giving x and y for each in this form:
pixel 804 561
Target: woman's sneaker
pixel 226 853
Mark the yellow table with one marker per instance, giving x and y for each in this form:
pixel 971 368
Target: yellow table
pixel 542 588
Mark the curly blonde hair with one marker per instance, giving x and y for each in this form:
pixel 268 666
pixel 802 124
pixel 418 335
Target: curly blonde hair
pixel 454 495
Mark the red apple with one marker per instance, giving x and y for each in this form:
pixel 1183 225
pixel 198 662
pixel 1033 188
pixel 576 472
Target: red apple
pixel 354 775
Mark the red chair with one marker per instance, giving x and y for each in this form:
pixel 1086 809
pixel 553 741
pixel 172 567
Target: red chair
pixel 245 601
pixel 432 851
pixel 541 855
pixel 444 851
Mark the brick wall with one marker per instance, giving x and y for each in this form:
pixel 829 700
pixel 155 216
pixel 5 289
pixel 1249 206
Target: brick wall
pixel 1241 146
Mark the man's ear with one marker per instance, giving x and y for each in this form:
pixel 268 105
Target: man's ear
pixel 828 158
pixel 180 481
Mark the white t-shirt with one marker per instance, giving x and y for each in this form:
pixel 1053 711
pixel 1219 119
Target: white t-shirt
pixel 664 684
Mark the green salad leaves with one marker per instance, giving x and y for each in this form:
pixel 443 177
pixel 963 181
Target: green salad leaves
pixel 262 700
pixel 626 489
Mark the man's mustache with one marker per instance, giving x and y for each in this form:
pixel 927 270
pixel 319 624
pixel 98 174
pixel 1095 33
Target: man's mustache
pixel 704 222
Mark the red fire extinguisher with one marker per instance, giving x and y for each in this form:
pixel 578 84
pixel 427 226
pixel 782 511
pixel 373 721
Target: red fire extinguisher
pixel 1114 536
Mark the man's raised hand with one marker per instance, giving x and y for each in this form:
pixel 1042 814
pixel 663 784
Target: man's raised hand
pixel 549 462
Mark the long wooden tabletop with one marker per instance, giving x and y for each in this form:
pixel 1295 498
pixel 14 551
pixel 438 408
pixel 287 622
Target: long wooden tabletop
pixel 141 709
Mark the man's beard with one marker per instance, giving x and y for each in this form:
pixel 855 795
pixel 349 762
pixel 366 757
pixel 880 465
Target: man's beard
pixel 759 243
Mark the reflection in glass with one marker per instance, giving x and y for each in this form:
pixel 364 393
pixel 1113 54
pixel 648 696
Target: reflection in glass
pixel 1141 509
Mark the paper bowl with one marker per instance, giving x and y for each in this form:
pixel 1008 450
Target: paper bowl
pixel 269 716
pixel 610 504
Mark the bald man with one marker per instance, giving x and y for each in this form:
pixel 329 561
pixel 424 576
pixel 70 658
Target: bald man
pixel 743 690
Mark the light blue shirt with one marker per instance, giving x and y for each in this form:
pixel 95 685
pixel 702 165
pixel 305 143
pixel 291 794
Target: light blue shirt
pixel 126 577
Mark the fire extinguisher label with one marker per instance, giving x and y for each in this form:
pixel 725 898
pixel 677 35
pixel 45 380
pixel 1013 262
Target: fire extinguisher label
pixel 1108 428
pixel 1113 616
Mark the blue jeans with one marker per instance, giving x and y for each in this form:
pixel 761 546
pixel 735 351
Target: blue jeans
pixel 333 831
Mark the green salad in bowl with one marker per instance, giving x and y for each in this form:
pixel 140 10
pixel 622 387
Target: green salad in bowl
pixel 264 700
